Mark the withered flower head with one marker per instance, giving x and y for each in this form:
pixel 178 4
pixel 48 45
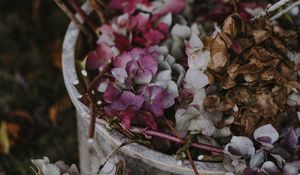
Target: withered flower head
pixel 251 66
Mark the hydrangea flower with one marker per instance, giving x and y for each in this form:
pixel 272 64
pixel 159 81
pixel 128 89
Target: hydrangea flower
pixel 147 71
pixel 139 66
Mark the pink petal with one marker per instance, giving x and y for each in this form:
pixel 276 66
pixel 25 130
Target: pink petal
pixel 139 21
pixel 126 117
pixel 99 57
pixel 163 27
pixel 153 36
pixel 122 43
pixel 122 60
pixel 128 6
pixel 148 119
pixel 137 53
pixel 149 63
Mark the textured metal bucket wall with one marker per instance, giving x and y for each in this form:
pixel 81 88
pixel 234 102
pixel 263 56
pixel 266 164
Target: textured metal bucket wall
pixel 139 159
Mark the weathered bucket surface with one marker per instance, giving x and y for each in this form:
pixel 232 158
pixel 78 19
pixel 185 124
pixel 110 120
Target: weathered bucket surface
pixel 139 159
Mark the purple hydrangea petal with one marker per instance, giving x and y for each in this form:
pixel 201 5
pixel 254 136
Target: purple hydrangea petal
pixel 149 63
pixel 154 101
pixel 264 139
pixel 122 60
pixel 137 53
pixel 292 138
pixel 157 108
pixel 133 101
pixel 111 94
pixel 168 99
pixel 119 105
pixel 109 111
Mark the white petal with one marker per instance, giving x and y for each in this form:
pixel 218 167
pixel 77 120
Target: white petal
pixel 199 98
pixel 172 88
pixel 50 169
pixel 177 49
pixel 240 166
pixel 198 59
pixel 257 159
pixel 290 170
pixel 202 125
pixel 120 74
pixel 196 79
pixel 195 29
pixel 167 19
pixel 183 117
pixel 266 131
pixel 223 132
pixel 244 144
pixel 270 168
pixel 280 161
pixel 195 42
pixel 164 75
pixel 180 31
pixel 171 60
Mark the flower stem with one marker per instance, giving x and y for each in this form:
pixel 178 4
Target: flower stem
pixel 92 108
pixel 175 139
pixel 192 162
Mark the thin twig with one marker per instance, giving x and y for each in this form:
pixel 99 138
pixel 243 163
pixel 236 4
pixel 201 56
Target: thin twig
pixel 272 8
pixel 175 139
pixel 287 9
pixel 86 18
pixel 192 162
pixel 69 13
pixel 114 151
pixel 82 28
pixel 92 107
pixel 97 7
pixel 175 132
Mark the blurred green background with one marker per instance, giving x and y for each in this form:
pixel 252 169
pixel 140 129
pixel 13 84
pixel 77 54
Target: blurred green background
pixel 36 116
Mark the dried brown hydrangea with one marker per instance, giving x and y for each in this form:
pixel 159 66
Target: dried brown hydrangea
pixel 252 74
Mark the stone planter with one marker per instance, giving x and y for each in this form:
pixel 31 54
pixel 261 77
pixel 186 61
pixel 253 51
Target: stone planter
pixel 139 159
